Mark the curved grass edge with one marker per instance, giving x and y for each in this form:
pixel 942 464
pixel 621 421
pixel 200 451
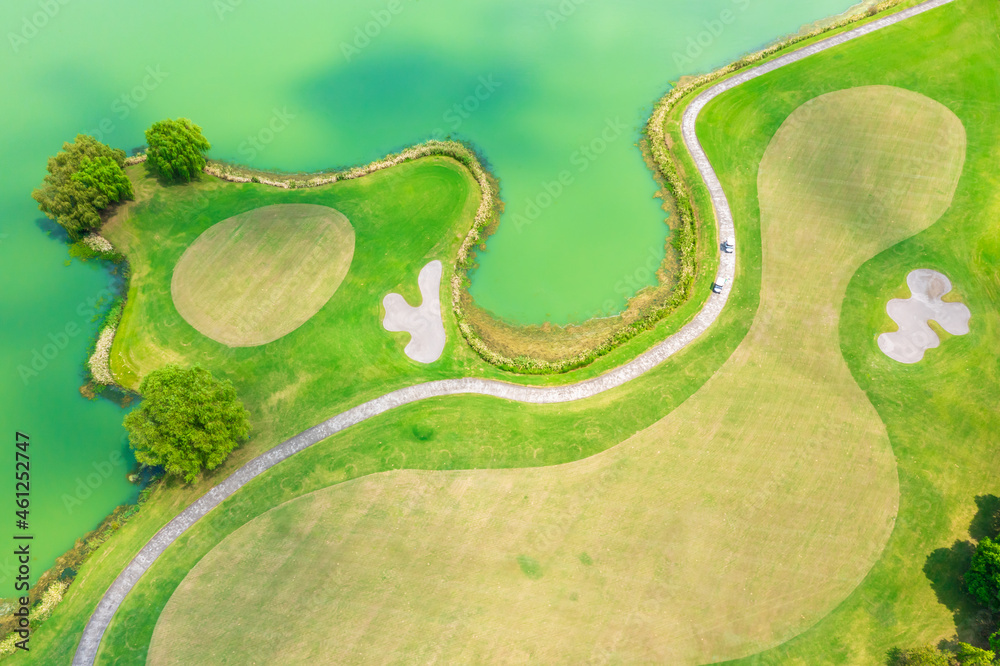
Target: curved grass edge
pixel 438 389
pixel 677 187
pixel 680 191
pixel 141 158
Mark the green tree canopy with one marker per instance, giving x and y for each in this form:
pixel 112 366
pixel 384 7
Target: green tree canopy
pixel 983 577
pixel 960 654
pixel 921 656
pixel 83 179
pixel 969 655
pixel 176 149
pixel 188 421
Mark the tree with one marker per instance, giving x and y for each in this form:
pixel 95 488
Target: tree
pixel 188 421
pixel 176 149
pixel 983 577
pixel 83 179
pixel 969 655
pixel 922 656
pixel 958 654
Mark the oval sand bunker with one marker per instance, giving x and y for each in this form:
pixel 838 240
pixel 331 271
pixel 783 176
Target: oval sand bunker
pixel 259 275
pixel 915 336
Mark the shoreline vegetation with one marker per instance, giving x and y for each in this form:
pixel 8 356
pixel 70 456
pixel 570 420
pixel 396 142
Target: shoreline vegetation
pixel 54 583
pixel 554 349
pixel 51 586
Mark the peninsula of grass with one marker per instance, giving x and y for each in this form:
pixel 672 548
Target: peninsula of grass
pixel 939 430
pixel 403 216
pixel 572 432
pixel 320 369
pixel 780 452
pixel 939 479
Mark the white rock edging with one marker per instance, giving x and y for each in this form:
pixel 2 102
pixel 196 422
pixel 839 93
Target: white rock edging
pixel 100 362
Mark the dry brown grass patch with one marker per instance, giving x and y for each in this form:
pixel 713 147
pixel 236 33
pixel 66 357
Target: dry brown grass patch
pixel 258 276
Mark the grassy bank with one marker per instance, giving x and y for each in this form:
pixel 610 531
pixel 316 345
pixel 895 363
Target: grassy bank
pixel 553 349
pixel 154 230
pixel 469 589
pixel 940 433
pixel 943 452
pixel 573 434
pixel 630 409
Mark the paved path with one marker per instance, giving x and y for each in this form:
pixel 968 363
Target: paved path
pixel 86 651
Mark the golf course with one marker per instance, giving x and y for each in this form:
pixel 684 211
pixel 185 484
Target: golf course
pixel 454 560
pixel 752 481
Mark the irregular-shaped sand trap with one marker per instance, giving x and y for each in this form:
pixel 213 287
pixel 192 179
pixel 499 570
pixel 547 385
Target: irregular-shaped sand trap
pixel 914 337
pixel 422 323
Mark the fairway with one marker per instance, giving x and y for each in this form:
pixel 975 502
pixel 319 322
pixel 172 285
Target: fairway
pixel 737 521
pixel 259 275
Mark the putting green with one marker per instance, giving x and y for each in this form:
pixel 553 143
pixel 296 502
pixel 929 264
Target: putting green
pixel 729 526
pixel 258 276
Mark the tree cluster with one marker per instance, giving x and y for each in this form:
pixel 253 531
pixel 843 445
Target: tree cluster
pixel 982 581
pixel 176 149
pixel 983 577
pixel 188 421
pixel 960 654
pixel 83 179
pixel 86 176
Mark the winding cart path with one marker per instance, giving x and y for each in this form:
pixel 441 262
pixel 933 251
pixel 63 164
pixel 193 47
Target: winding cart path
pixel 90 642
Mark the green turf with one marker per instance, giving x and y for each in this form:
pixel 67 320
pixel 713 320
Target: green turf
pixel 943 453
pixel 187 210
pixel 938 413
pixel 757 505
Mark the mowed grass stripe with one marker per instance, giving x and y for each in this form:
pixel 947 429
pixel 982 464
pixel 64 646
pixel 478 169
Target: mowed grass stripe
pixel 738 520
pixel 259 275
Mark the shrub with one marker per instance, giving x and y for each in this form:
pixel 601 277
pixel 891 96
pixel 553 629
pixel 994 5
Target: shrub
pixel 983 577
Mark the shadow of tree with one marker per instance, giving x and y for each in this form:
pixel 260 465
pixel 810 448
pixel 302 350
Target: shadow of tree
pixel 51 228
pixel 986 523
pixel 946 567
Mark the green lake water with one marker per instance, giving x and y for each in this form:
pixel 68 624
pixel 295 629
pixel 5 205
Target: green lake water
pixel 553 93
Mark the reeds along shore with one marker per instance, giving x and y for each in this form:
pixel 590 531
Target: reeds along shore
pixel 684 235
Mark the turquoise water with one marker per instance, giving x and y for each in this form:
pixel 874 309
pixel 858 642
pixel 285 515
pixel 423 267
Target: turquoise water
pixel 553 93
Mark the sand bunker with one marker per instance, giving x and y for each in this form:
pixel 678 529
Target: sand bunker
pixel 914 337
pixel 422 323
